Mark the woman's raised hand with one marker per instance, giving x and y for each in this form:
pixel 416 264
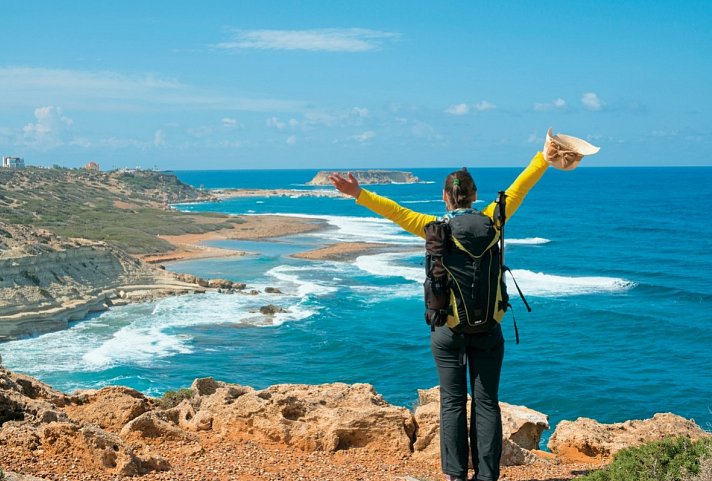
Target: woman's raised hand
pixel 346 186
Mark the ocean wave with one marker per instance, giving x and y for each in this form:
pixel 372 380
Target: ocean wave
pixel 374 294
pixel 420 201
pixel 532 283
pixel 548 285
pixel 527 241
pixel 385 265
pixel 304 287
pixel 363 229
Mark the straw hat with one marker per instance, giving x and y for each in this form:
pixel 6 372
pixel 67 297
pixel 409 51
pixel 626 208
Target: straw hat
pixel 564 151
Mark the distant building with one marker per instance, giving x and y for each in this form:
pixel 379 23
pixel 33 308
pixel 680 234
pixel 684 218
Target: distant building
pixel 92 166
pixel 13 163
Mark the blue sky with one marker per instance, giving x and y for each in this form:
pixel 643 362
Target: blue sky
pixel 309 84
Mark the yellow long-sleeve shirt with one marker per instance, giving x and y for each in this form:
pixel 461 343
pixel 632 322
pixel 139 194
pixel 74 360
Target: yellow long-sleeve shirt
pixel 414 222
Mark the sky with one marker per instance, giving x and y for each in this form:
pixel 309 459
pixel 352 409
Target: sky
pixel 362 84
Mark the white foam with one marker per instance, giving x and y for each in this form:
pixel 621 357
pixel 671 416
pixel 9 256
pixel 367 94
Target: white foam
pixel 549 285
pixel 363 229
pixel 148 337
pixel 304 287
pixel 421 201
pixel 527 241
pixel 374 294
pixel 532 283
pixel 385 265
pixel 259 202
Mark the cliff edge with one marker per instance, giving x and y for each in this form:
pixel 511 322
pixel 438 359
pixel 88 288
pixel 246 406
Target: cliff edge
pixel 218 430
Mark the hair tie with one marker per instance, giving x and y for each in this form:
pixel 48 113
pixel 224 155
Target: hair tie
pixel 456 182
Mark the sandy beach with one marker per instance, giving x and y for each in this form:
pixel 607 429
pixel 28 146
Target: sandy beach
pixel 190 246
pixel 345 251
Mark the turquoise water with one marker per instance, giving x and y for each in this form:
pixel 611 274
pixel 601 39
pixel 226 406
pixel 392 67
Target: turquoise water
pixel 615 262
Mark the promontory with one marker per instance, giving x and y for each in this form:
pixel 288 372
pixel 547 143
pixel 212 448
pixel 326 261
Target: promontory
pixel 368 177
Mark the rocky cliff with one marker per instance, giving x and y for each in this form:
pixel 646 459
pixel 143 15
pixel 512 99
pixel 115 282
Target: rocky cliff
pixel 47 281
pixel 217 430
pixel 369 177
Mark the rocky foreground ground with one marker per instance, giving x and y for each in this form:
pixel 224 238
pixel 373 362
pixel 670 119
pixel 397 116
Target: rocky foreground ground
pixel 221 431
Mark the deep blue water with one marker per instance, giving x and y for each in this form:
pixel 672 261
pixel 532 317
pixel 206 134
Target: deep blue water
pixel 615 262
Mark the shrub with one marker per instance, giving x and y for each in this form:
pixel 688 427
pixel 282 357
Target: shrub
pixel 670 459
pixel 705 472
pixel 171 399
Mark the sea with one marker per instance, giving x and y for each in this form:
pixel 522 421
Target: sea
pixel 615 262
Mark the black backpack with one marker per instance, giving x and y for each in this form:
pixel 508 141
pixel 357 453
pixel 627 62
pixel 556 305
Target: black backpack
pixel 464 265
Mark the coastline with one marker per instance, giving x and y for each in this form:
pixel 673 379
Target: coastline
pixel 98 277
pixel 335 431
pixel 190 246
pixel 345 251
pixel 222 194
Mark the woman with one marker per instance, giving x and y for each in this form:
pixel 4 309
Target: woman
pixel 484 351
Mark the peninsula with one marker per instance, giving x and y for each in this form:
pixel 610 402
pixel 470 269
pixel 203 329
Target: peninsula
pixel 74 241
pixel 368 177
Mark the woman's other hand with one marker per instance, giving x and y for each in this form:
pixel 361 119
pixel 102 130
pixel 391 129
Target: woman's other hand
pixel 346 186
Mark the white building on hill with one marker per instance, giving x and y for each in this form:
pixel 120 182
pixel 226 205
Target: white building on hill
pixel 13 163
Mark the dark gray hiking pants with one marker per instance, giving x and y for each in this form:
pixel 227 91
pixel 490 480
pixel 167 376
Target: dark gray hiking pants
pixel 484 354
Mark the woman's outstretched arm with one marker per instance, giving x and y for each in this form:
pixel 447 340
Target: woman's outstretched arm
pixel 520 187
pixel 411 221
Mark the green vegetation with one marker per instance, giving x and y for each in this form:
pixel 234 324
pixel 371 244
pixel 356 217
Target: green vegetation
pixel 125 209
pixel 671 459
pixel 171 399
pixel 2 474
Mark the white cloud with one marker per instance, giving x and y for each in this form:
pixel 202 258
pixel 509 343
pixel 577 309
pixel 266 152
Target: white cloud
pixel 229 123
pixel 159 138
pixel 360 112
pixel 47 132
pixel 464 109
pixel 558 104
pixel 275 123
pixel 591 101
pixel 458 109
pixel 364 136
pixel 484 106
pixel 105 91
pixel 325 40
pixel 292 139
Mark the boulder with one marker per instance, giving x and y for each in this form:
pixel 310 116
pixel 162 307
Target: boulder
pixel 521 430
pixel 523 426
pixel 328 417
pixel 33 417
pixel 588 440
pixel 109 408
pixel 95 447
pixel 158 426
pixel 220 283
pixel 271 309
pixel 272 290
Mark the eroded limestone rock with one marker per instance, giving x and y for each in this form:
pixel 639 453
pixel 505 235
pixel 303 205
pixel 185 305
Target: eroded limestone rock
pixel 586 439
pixel 521 429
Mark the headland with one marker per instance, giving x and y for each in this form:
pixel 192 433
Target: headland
pixel 76 241
pixel 368 177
